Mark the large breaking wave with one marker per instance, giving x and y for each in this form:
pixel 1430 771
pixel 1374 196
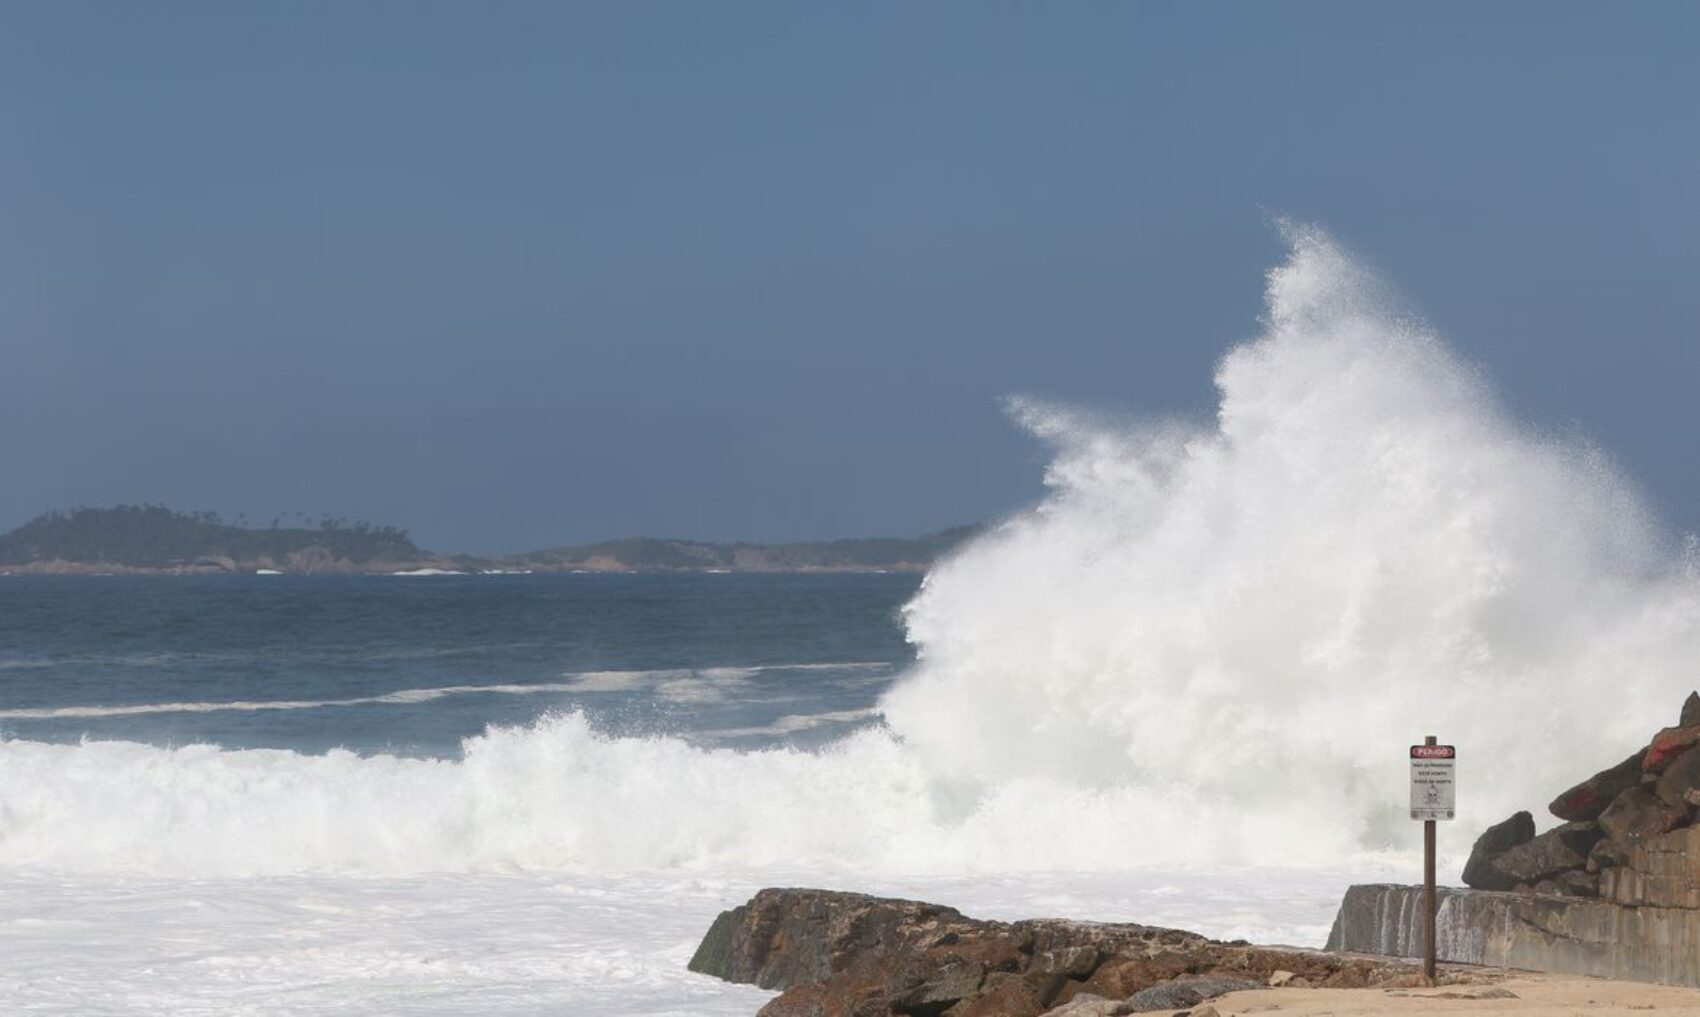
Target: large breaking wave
pixel 1207 645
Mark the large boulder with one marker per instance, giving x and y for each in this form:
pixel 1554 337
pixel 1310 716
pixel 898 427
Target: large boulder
pixel 1495 841
pixel 1690 711
pixel 786 937
pixel 1637 815
pixel 1557 851
pixel 1185 993
pixel 1088 1005
pixel 1003 995
pixel 1588 799
pixel 1120 979
pixel 1681 776
pixel 1667 745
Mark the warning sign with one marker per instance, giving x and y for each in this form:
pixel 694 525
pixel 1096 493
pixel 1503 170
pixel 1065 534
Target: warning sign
pixel 1432 786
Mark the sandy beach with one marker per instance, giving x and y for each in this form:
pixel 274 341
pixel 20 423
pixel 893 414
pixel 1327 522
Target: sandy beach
pixel 1529 993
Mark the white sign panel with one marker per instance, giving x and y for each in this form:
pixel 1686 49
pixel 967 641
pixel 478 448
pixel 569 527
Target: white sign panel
pixel 1432 783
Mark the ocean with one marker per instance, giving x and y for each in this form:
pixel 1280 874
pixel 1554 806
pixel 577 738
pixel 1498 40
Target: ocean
pixel 1178 690
pixel 435 795
pixel 412 666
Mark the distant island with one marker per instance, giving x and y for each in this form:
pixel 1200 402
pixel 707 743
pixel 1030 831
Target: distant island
pixel 155 539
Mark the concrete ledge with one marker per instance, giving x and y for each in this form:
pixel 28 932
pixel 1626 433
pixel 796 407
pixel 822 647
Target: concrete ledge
pixel 1569 935
pixel 1660 871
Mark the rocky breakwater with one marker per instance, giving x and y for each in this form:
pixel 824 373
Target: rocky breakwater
pixel 1613 890
pixel 849 955
pixel 1617 840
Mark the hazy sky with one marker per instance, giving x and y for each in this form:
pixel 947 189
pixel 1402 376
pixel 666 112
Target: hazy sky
pixel 521 274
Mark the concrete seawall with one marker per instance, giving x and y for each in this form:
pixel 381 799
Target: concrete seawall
pixel 1570 935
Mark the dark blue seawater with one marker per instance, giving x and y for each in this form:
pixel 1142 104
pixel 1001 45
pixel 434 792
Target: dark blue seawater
pixel 413 665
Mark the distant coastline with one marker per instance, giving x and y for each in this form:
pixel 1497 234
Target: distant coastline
pixel 154 540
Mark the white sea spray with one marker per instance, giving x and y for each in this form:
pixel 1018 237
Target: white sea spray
pixel 1232 631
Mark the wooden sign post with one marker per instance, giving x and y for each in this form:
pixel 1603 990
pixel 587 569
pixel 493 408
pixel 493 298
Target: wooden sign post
pixel 1433 797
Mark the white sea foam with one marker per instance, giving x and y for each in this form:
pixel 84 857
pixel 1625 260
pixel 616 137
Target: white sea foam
pixel 25 663
pixel 555 795
pixel 258 705
pixel 677 684
pixel 792 723
pixel 1207 646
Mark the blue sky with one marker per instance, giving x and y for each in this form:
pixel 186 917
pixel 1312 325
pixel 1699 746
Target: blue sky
pixel 516 274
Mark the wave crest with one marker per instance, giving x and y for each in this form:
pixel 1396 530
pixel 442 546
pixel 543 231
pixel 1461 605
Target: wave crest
pixel 1361 550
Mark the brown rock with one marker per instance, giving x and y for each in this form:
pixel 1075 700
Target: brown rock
pixel 849 955
pixel 1667 745
pixel 1070 992
pixel 1690 711
pixel 1327 969
pixel 1558 850
pixel 1579 837
pixel 1121 979
pixel 930 984
pixel 783 938
pixel 1680 777
pixel 1588 799
pixel 1495 841
pixel 1577 883
pixel 1604 855
pixel 1186 992
pixel 1088 1005
pixel 1638 814
pixel 866 998
pixel 1004 995
pixel 1070 962
pixel 1050 987
pixel 1044 935
pixel 1581 884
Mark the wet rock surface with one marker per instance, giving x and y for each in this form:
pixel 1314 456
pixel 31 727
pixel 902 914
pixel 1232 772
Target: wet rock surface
pixel 850 955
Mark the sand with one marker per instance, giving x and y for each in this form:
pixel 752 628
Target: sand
pixel 1530 994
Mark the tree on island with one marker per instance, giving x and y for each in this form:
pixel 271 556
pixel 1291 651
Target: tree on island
pixel 153 536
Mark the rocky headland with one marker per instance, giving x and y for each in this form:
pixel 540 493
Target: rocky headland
pixel 152 539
